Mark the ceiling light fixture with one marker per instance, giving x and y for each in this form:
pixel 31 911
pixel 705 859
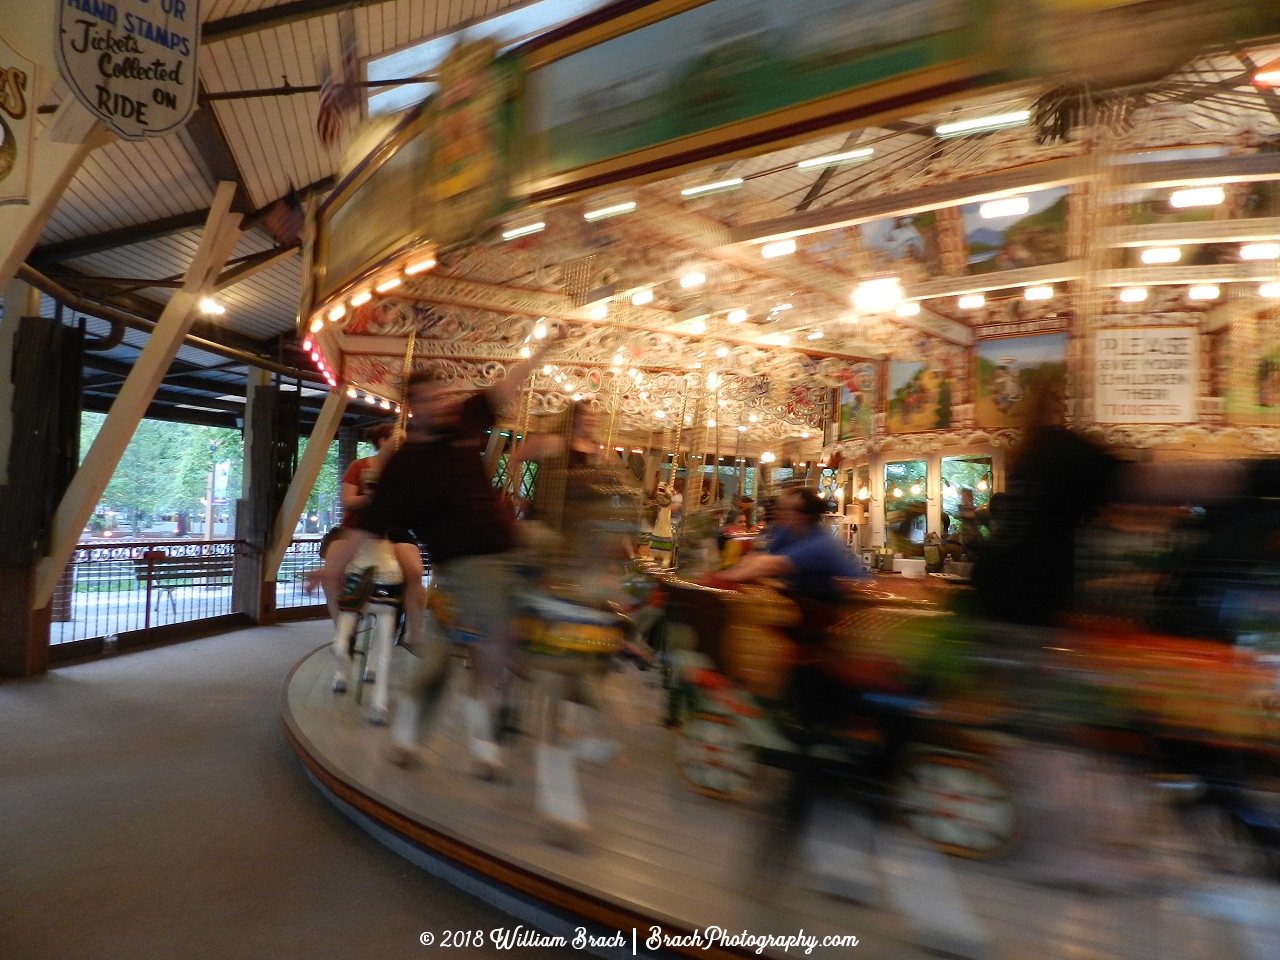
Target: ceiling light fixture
pixel 816 335
pixel 737 316
pixel 1133 294
pixel 617 359
pixel 693 280
pixel 698 326
pixel 337 313
pixel 420 266
pixel 599 311
pixel 386 285
pixel 730 184
pixel 971 301
pixel 1162 255
pixel 540 331
pixel 909 309
pixel 361 298
pixel 1004 207
pixel 1260 251
pixel 780 248
pixel 877 295
pixel 1203 291
pixel 641 297
pixel 1038 293
pixel 528 229
pixel 835 159
pixel 1268 74
pixel 211 306
pixel 722 352
pixel 317 325
pixel 610 211
pixel 1269 290
pixel 998 121
pixel 1197 197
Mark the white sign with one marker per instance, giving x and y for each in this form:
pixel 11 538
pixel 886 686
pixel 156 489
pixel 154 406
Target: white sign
pixel 132 63
pixel 1145 375
pixel 17 86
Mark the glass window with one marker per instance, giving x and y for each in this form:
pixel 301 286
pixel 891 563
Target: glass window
pixel 904 506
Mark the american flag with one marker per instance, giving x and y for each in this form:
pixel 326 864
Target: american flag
pixel 285 218
pixel 340 91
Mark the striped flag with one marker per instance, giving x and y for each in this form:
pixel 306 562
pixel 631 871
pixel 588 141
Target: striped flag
pixel 340 91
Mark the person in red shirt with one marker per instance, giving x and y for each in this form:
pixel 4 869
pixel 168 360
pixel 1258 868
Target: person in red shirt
pixel 358 485
pixel 436 487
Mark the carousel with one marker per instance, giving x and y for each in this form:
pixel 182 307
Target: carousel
pixel 865 309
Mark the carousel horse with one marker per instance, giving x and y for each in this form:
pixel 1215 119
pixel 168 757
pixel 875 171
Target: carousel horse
pixel 662 541
pixel 372 588
pixel 567 630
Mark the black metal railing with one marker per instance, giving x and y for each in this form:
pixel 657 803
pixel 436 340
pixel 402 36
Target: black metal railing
pixel 302 556
pixel 110 589
pixel 133 586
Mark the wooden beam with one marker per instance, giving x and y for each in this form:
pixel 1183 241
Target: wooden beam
pixel 256 264
pixel 222 231
pixel 1050 173
pixel 150 230
pixel 322 434
pixel 168 413
pixel 119 237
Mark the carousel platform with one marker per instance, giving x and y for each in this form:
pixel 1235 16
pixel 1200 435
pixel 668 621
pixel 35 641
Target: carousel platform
pixel 660 855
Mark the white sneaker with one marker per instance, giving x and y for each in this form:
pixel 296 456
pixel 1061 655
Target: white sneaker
pixel 486 753
pixel 595 750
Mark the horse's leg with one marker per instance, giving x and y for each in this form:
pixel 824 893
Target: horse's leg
pixel 559 799
pixel 342 650
pixel 383 639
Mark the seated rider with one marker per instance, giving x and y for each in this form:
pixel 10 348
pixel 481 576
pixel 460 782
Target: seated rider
pixel 805 557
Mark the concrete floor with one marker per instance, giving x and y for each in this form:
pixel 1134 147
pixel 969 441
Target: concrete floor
pixel 150 808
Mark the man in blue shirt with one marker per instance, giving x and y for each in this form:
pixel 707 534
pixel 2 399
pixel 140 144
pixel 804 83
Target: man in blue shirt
pixel 800 551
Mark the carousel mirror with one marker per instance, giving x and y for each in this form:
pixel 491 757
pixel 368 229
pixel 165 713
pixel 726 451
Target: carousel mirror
pixel 904 506
pixel 966 494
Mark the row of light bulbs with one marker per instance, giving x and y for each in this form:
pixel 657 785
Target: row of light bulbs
pixel 1248 251
pixel 386 284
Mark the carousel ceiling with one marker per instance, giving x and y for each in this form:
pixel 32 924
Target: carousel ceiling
pixel 760 274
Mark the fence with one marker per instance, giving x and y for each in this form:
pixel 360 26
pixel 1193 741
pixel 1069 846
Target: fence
pixel 136 586
pixel 302 555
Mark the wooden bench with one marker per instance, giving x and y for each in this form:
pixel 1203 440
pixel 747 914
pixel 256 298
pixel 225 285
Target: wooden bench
pixel 167 573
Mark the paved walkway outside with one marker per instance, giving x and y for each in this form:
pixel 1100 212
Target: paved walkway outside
pixel 150 808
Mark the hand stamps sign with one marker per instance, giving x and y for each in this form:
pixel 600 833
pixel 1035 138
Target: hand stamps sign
pixel 132 63
pixel 17 84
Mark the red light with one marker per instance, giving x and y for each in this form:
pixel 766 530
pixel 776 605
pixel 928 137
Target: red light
pixel 315 355
pixel 307 344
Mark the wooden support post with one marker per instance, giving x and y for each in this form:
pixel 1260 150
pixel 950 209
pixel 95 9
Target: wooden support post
pixel 322 434
pixel 221 232
pixel 255 509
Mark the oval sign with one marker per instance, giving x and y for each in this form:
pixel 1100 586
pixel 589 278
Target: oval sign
pixel 132 63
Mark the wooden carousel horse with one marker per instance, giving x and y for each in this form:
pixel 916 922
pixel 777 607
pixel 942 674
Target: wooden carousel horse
pixel 373 587
pixel 662 541
pixel 568 632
